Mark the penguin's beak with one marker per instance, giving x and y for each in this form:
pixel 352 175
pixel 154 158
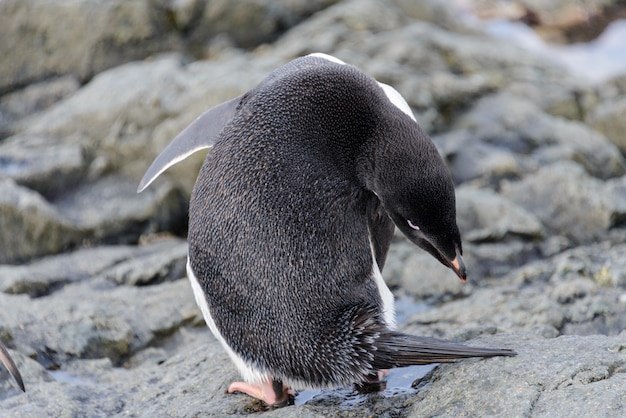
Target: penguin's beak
pixel 458 266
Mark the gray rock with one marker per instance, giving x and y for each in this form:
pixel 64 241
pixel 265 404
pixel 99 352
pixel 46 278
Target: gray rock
pixel 608 118
pixel 111 207
pixel 94 320
pixel 588 381
pixel 94 36
pixel 125 116
pixel 568 97
pixel 577 292
pixel 431 11
pixel 616 188
pixel 108 209
pixel 470 159
pixel 494 259
pixel 30 226
pixel 132 265
pixel 516 125
pixel 486 216
pixel 249 22
pixel 567 201
pixel 33 98
pixel 579 373
pixel 341 30
pixel 42 164
pixel 152 264
pixel 97 35
pixel 420 276
pixel 47 274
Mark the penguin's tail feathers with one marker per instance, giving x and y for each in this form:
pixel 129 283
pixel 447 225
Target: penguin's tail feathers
pixel 396 349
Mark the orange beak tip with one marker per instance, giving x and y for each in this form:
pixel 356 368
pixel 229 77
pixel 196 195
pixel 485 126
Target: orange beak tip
pixel 458 266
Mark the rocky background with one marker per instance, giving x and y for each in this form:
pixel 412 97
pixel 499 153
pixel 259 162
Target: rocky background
pixel 94 305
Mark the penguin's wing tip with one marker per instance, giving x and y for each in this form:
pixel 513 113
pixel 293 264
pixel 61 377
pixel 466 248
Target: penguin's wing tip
pixel 167 158
pixel 8 362
pixel 202 133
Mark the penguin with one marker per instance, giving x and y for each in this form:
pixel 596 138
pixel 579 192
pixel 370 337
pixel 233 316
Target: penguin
pixel 291 219
pixel 8 362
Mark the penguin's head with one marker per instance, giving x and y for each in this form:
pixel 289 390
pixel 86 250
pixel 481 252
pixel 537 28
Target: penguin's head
pixel 416 189
pixel 426 214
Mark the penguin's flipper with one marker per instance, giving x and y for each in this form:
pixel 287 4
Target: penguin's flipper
pixel 202 133
pixel 381 229
pixel 8 362
pixel 396 349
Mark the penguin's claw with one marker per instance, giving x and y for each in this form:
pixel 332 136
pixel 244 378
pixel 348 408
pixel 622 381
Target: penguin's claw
pixel 272 392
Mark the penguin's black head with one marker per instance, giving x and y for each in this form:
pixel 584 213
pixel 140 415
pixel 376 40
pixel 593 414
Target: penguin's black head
pixel 416 189
pixel 426 214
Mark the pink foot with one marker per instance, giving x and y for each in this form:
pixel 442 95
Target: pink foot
pixel 272 392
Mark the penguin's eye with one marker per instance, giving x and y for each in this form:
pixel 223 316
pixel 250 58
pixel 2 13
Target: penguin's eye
pixel 412 225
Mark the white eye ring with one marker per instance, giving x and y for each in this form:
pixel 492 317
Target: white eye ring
pixel 412 225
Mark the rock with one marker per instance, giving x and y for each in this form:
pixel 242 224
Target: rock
pixel 589 379
pixel 85 321
pixel 338 28
pixel 30 370
pixel 608 118
pixel 30 226
pixel 578 292
pixel 47 274
pixel 97 35
pixel 616 188
pixel 470 159
pixel 41 164
pixel 111 208
pixel 581 201
pixel 485 216
pixel 33 98
pixel 125 116
pixel 249 23
pixel 558 21
pixel 495 259
pixel 507 122
pixel 423 277
pixel 131 265
pixel 94 36
pixel 571 372
pixel 431 11
pixel 105 210
pixel 152 264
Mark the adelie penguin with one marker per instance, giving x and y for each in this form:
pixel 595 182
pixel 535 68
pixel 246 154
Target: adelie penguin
pixel 291 218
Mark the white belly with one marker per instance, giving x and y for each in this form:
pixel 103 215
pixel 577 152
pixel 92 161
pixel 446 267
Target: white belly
pixel 389 309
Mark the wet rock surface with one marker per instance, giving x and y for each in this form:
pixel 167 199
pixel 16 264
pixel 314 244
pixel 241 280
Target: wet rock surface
pixel 94 306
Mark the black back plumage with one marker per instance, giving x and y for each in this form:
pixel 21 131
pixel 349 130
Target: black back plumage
pixel 286 212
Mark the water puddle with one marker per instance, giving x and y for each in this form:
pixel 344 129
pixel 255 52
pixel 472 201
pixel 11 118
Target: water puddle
pixel 399 382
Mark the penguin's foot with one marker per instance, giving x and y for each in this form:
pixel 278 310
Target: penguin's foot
pixel 372 383
pixel 272 392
